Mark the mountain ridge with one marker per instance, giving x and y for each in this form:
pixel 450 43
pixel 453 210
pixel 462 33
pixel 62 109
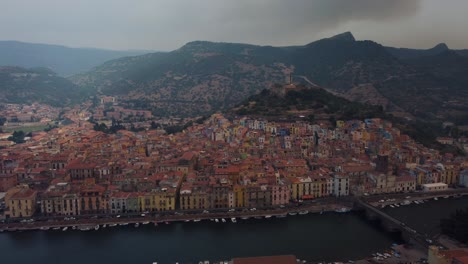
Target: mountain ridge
pixel 61 59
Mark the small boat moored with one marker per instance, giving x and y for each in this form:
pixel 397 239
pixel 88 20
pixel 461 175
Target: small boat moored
pixel 343 210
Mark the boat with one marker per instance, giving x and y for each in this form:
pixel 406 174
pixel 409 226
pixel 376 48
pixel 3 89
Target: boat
pixel 85 228
pixel 392 206
pixel 435 198
pixel 396 205
pixel 223 220
pixel 74 227
pixel 196 220
pixel 234 220
pixel 45 228
pixel 65 228
pixel 446 197
pixel 145 223
pixel 104 225
pixel 383 206
pixel 303 212
pixel 267 216
pixel 137 224
pixel 258 217
pixel 343 210
pixel 186 220
pixel 96 227
pixel 166 222
pixel 123 224
pixel 293 213
pixel 416 202
pixel 245 218
pixel 280 216
pixel 56 228
pixel 406 202
pixel 112 225
pixel 216 220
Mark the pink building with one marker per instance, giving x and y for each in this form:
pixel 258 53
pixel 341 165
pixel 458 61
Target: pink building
pixel 280 194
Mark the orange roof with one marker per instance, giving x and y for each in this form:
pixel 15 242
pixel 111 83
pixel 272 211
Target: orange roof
pixel 24 194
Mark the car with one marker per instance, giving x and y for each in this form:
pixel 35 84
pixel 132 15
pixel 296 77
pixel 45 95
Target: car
pixel 366 194
pixel 407 197
pixel 118 216
pixel 281 206
pixel 232 210
pixel 381 201
pixel 253 209
pixel 143 215
pixel 206 211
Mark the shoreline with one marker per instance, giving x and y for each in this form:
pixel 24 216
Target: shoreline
pixel 158 219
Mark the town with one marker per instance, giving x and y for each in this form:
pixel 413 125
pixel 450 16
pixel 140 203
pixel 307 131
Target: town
pixel 235 162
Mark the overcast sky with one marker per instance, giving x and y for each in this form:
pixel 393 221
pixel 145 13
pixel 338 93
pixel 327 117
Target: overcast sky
pixel 168 24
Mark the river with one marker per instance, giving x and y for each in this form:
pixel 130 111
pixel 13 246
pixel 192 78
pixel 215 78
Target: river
pixel 313 237
pixel 425 218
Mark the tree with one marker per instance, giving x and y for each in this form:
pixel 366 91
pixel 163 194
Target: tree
pixel 17 137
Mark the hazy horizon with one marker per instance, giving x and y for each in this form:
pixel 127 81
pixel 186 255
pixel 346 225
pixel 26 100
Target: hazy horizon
pixel 168 25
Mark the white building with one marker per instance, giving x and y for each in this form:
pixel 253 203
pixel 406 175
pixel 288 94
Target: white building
pixel 432 187
pixel 463 180
pixel 340 185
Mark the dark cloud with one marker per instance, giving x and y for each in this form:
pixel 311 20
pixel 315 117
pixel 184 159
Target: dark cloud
pixel 168 24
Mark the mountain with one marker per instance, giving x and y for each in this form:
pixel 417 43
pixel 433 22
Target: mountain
pixel 63 60
pixel 199 78
pixel 19 85
pixel 404 53
pixel 202 77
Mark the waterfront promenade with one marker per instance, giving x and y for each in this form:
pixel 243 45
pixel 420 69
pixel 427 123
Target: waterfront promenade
pixel 324 205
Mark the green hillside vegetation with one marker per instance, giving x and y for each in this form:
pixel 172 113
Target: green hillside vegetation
pixel 311 101
pixel 19 85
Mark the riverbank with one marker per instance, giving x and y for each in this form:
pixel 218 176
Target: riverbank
pixel 89 224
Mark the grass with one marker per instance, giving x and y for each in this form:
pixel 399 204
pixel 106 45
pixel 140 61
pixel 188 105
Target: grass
pixel 25 129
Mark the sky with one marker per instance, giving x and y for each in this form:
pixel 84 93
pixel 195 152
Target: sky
pixel 166 25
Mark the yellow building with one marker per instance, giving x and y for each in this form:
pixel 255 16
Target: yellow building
pixel 163 199
pixel 21 202
pixel 239 194
pixel 311 187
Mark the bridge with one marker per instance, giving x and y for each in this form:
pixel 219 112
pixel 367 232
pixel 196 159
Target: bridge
pixel 392 224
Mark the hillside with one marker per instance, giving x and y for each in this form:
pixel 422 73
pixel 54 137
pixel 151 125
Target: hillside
pixel 63 60
pixel 202 77
pixel 316 105
pixel 305 102
pixel 19 85
pixel 197 79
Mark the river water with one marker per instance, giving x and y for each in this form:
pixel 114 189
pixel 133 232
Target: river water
pixel 425 218
pixel 313 237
